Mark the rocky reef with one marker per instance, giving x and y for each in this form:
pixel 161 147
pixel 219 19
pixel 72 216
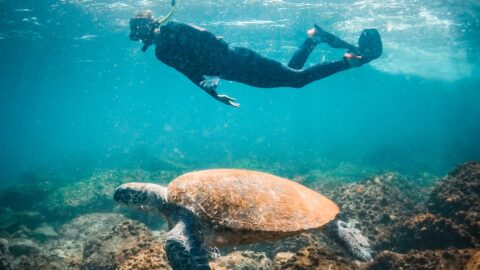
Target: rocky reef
pixel 427 231
pixel 410 225
pixel 430 259
pixel 457 197
pixel 376 204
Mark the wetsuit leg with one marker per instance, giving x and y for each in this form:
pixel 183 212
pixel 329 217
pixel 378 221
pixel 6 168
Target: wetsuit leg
pixel 337 43
pixel 246 66
pixel 300 57
pixel 334 41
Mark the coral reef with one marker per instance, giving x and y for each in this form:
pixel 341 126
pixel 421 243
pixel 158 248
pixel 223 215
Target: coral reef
pixel 314 257
pixel 4 256
pixel 425 260
pixel 130 245
pixel 243 260
pixel 8 218
pixel 58 231
pixel 23 247
pixel 458 197
pixel 427 231
pixel 89 242
pixel 93 193
pixel 377 204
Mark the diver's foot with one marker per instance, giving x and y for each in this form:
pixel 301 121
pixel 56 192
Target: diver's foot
pixel 318 35
pixel 353 59
pixel 370 45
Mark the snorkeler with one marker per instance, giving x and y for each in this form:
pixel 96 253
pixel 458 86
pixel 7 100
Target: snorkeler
pixel 205 58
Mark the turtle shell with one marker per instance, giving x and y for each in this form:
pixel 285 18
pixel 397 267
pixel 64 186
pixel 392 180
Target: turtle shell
pixel 243 200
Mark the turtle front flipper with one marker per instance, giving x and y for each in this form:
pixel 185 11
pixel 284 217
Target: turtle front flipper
pixel 352 238
pixel 184 248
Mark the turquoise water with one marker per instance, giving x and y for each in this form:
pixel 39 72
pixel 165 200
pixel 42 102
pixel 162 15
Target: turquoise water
pixel 76 94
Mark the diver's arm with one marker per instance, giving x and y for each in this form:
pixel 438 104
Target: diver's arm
pixel 210 86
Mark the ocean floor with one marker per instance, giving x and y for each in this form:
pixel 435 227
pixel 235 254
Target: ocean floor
pixel 421 222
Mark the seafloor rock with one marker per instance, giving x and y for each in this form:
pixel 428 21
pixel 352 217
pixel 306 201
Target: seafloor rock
pixel 151 258
pixel 5 257
pixel 3 246
pixel 8 218
pixel 4 263
pixel 458 197
pixel 39 262
pixel 44 232
pixel 427 231
pixel 425 260
pixel 130 245
pixel 26 196
pixel 30 219
pixel 314 257
pixel 21 247
pixel 98 241
pixel 243 260
pixel 74 236
pixel 377 204
pixel 95 193
pixel 11 221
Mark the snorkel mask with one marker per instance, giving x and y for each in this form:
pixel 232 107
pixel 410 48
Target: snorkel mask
pixel 143 25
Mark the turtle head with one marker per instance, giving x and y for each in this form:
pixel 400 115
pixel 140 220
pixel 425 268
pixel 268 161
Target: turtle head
pixel 141 196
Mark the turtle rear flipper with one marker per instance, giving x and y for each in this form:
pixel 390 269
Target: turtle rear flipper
pixel 184 250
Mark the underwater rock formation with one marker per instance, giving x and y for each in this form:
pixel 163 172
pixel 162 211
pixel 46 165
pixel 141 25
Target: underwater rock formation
pixel 458 197
pixel 425 260
pixel 94 194
pixel 315 257
pixel 26 196
pixel 130 245
pixel 23 247
pixel 4 256
pixel 8 218
pixel 64 251
pixel 243 260
pixel 377 204
pixel 427 231
pixel 386 207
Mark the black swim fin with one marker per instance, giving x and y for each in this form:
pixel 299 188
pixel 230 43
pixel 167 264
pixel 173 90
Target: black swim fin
pixel 370 45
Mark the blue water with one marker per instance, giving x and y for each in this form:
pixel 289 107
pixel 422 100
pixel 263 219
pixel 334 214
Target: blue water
pixel 77 94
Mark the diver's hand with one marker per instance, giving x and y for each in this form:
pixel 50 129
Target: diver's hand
pixel 228 100
pixel 210 84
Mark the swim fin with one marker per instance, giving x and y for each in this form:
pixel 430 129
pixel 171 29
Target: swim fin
pixel 370 45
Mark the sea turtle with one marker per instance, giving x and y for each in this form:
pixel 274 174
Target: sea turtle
pixel 222 207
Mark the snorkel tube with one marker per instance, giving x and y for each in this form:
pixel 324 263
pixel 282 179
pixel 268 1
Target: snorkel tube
pixel 169 14
pixel 156 24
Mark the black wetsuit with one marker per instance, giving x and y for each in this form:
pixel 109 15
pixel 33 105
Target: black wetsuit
pixel 196 52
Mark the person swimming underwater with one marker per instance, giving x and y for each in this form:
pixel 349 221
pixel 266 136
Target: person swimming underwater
pixel 205 58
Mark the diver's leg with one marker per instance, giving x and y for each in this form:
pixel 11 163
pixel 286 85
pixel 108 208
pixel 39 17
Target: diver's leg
pixel 301 55
pixel 317 72
pixel 248 67
pixel 316 36
pixel 319 35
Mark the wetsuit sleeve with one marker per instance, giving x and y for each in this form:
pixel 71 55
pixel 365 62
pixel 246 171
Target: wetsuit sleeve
pixel 196 78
